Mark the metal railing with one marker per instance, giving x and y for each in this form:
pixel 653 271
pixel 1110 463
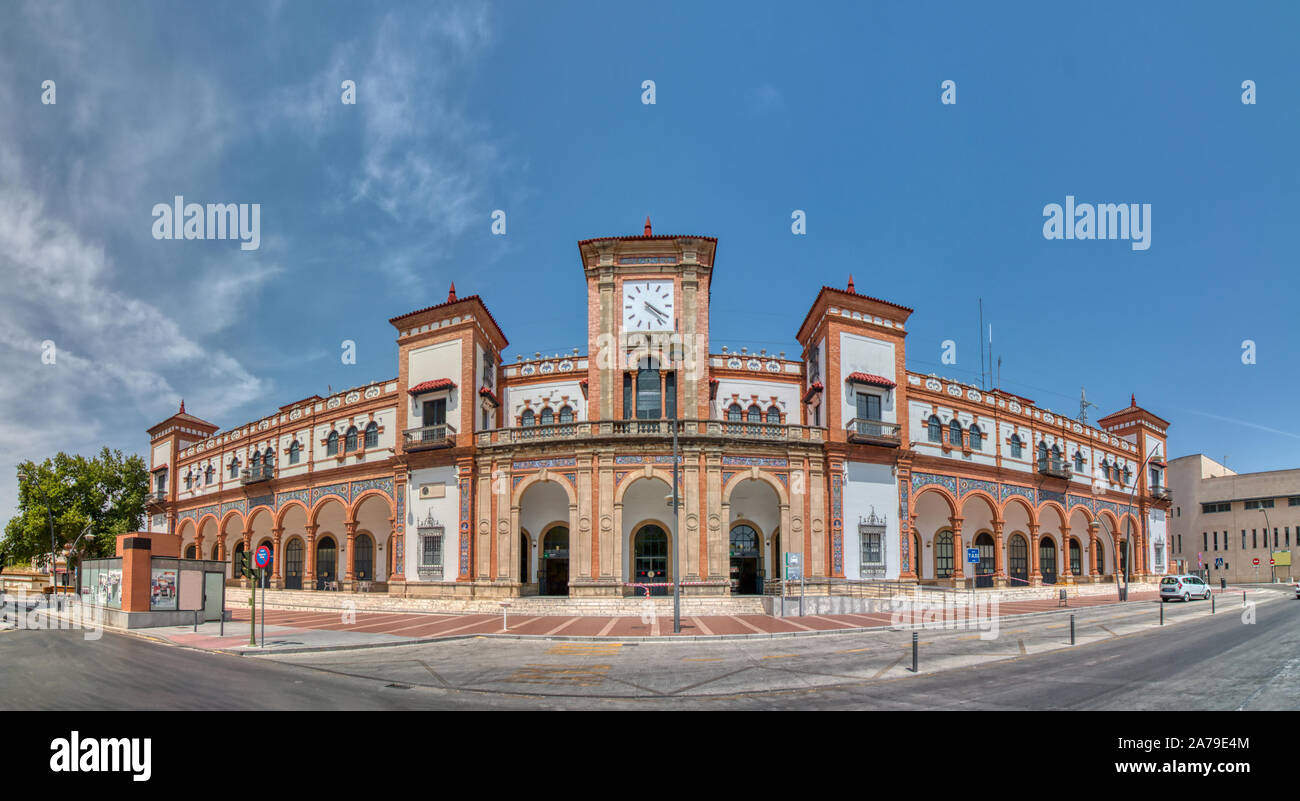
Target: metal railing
pixel 1160 493
pixel 876 432
pixel 155 498
pixel 663 428
pixel 256 473
pixel 1058 468
pixel 442 435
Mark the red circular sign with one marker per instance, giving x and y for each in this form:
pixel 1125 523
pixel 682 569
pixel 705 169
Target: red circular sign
pixel 1256 561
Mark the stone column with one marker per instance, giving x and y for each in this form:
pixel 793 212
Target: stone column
pixel 277 558
pixel 309 563
pixel 958 553
pixel 999 557
pixel 198 545
pixel 1035 577
pixel 1093 571
pixel 1067 573
pixel 349 576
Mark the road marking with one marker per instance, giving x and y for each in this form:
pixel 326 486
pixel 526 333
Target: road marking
pixel 886 668
pixel 1022 646
pixel 701 659
pixel 700 625
pixel 563 626
pixel 779 656
pixel 608 627
pixel 853 651
pixel 1107 630
pixel 586 649
pixel 748 625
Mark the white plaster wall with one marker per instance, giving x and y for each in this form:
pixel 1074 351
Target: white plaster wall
pixel 869 485
pixel 785 393
pixel 555 394
pixel 860 354
pixel 446 510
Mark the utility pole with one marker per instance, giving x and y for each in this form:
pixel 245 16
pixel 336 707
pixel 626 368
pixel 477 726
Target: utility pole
pixel 1084 403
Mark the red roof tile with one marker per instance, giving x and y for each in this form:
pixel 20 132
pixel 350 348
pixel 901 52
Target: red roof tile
pixel 432 386
pixel 874 380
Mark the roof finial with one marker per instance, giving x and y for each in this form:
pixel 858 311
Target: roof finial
pixel 851 282
pixel 451 293
pixel 182 411
pixel 647 225
pixel 1132 399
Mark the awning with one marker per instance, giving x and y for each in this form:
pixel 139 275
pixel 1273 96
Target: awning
pixel 873 380
pixel 432 386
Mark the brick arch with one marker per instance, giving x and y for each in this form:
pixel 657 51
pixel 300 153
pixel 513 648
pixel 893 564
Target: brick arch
pixel 283 511
pixel 953 506
pixel 1059 510
pixel 1087 513
pixel 259 509
pixel 209 516
pixel 352 508
pixel 539 477
pixel 1023 502
pixel 314 514
pixel 782 497
pixel 995 509
pixel 630 479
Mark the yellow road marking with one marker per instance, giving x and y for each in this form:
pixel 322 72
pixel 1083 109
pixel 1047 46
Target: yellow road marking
pixel 780 656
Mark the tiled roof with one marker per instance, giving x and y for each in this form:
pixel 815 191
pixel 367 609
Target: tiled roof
pixel 432 386
pixel 874 380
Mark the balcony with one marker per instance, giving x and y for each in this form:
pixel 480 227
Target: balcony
pixel 650 429
pixel 426 438
pixel 874 432
pixel 155 499
pixel 1056 468
pixel 1160 493
pixel 256 473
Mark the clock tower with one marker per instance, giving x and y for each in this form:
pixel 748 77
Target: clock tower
pixel 648 325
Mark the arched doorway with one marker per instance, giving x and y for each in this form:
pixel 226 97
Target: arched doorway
pixel 943 555
pixel 326 562
pixel 1101 559
pixel 1018 560
pixel 190 551
pixel 984 568
pixel 650 557
pixel 1077 566
pixel 237 561
pixel 363 561
pixel 745 555
pixel 1047 560
pixel 525 550
pixel 916 555
pixel 216 552
pixel 293 555
pixel 554 572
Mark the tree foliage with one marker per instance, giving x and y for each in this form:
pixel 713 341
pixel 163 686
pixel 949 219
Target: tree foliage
pixel 106 492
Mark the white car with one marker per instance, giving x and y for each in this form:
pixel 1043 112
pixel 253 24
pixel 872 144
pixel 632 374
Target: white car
pixel 1185 587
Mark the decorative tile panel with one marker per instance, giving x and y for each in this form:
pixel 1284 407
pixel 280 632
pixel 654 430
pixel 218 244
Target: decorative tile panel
pixel 292 495
pixel 966 485
pixel 384 484
pixel 233 506
pixel 537 464
pixel 340 490
pixel 464 527
pixel 921 479
pixel 837 524
pixel 754 461
pixel 1025 492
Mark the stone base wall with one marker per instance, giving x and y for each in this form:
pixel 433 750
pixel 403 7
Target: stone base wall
pixel 532 605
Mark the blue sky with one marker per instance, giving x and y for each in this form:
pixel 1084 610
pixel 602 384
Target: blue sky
pixel 370 210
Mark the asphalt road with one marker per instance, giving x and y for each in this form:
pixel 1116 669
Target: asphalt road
pixel 1124 661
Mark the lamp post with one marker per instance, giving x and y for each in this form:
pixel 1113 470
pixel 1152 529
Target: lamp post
pixel 85 532
pixel 1272 568
pixel 1128 540
pixel 677 568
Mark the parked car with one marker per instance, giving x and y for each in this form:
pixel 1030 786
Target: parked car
pixel 1185 587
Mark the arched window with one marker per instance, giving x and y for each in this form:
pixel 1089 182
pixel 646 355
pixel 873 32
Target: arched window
pixel 268 458
pixel 1078 462
pixel 754 414
pixel 935 429
pixel 566 414
pixel 1128 475
pixel 943 555
pixel 1017 447
pixel 189 481
pixel 1019 560
pixel 1042 453
pixel 548 416
pixel 527 418
pixel 350 441
pixel 332 444
pixel 364 559
pixel 234 467
pixel 372 435
pixel 976 438
pixel 954 432
pixel 295 452
pixel 734 413
pixel 1056 455
pixel 208 474
pixel 255 461
pixel 773 415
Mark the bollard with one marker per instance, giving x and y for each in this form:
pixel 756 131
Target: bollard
pixel 1071 629
pixel 1243 597
pixel 1162 613
pixel 1211 603
pixel 914 652
pixel 196 621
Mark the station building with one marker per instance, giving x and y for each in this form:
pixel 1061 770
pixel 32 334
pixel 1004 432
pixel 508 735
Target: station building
pixel 469 474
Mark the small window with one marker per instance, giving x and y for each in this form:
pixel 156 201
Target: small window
pixel 268 458
pixel 350 441
pixel 189 481
pixel 234 467
pixel 935 429
pixel 1078 462
pixel 1017 447
pixel 773 415
pixel 734 413
pixel 295 452
pixel 548 416
pixel 527 418
pixel 372 435
pixel 976 438
pixel 332 444
pixel 954 432
pixel 208 475
pixel 754 414
pixel 566 414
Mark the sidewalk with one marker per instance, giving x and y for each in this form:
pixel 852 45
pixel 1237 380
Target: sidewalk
pixel 290 631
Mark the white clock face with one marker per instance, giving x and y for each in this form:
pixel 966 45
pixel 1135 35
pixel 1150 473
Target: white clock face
pixel 648 306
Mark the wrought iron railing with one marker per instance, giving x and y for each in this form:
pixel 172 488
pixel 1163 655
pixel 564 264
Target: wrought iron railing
pixel 155 498
pixel 442 435
pixel 256 473
pixel 873 431
pixel 1058 468
pixel 1160 493
pixel 637 428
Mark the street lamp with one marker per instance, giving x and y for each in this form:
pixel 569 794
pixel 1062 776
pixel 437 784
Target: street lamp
pixel 85 532
pixel 1128 540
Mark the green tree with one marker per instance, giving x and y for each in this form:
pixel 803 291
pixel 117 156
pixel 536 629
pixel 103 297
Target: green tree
pixel 106 492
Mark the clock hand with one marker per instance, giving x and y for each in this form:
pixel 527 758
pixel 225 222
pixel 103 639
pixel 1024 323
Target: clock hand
pixel 658 314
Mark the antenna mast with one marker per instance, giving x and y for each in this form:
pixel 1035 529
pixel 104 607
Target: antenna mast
pixel 1084 403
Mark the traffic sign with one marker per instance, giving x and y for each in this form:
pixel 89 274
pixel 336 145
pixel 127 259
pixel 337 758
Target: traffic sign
pixel 973 556
pixel 262 557
pixel 1255 561
pixel 1271 562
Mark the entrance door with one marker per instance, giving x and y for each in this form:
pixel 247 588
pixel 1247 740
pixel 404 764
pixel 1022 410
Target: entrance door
pixel 984 568
pixel 1047 560
pixel 364 564
pixel 650 559
pixel 1018 563
pixel 744 561
pixel 326 558
pixel 293 554
pixel 554 573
